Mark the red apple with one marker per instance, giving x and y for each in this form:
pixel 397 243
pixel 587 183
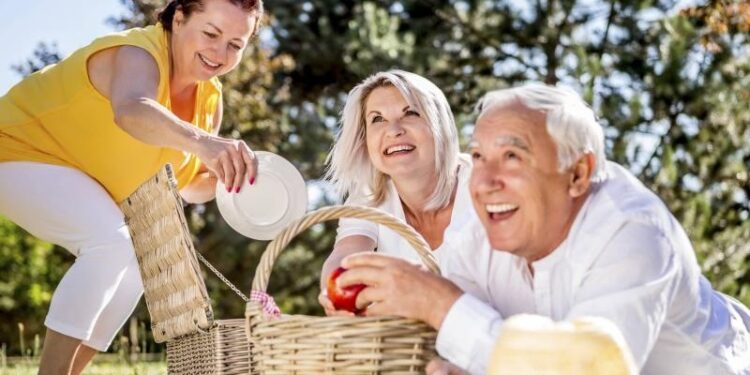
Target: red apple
pixel 343 298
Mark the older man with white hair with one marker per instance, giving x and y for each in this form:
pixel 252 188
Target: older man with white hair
pixel 574 235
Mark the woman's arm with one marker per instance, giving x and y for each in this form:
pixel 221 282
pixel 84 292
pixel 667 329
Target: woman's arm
pixel 203 186
pixel 132 92
pixel 344 247
pixel 201 189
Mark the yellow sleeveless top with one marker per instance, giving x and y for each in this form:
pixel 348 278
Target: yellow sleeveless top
pixel 56 116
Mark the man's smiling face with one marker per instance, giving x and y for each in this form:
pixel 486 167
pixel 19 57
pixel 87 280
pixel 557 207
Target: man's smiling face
pixel 522 198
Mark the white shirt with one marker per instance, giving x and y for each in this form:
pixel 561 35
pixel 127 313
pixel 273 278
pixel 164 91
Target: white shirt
pixel 627 259
pixel 389 242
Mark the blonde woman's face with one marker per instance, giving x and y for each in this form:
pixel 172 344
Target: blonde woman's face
pixel 210 42
pixel 399 139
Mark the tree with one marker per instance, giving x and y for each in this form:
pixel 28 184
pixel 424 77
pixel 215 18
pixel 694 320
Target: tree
pixel 718 18
pixel 44 54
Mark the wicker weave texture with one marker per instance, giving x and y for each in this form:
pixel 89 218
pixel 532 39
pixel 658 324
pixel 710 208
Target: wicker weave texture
pixel 174 289
pixel 223 350
pixel 298 344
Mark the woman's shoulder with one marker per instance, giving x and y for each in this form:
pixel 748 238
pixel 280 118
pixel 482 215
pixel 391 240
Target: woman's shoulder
pixel 151 38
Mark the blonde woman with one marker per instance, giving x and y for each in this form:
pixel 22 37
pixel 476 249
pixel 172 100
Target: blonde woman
pixel 397 150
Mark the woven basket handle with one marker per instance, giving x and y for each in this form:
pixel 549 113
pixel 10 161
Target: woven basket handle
pixel 263 272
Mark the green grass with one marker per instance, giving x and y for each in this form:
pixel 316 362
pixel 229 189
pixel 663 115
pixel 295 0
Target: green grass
pixel 101 366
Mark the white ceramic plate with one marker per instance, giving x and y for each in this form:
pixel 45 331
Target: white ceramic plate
pixel 264 209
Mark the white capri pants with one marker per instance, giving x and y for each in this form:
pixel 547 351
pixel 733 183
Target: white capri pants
pixel 67 207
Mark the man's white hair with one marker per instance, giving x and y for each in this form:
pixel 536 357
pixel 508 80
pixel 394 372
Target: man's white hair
pixel 349 166
pixel 570 121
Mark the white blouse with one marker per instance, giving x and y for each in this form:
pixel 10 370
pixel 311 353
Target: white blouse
pixel 389 242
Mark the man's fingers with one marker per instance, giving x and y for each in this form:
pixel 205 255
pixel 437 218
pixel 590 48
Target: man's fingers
pixel 329 309
pixel 369 296
pixel 380 309
pixel 361 275
pixel 369 259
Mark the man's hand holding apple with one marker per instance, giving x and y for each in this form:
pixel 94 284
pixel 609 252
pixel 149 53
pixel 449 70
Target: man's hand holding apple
pixel 397 287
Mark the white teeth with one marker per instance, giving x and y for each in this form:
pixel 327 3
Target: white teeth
pixel 208 62
pixel 398 148
pixel 500 208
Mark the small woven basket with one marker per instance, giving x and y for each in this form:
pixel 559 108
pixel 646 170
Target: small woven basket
pixel 174 288
pixel 298 344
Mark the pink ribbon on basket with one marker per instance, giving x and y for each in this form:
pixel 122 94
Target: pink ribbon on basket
pixel 265 300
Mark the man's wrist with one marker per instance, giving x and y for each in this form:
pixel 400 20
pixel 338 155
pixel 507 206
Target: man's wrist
pixel 450 295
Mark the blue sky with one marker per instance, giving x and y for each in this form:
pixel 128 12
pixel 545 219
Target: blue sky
pixel 69 23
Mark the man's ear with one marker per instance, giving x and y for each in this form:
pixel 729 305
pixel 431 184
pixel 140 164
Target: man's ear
pixel 580 177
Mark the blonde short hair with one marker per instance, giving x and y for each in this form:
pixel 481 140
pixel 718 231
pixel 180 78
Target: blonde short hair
pixel 349 165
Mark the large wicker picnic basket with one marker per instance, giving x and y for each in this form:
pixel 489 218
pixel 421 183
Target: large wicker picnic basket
pixel 181 313
pixel 299 344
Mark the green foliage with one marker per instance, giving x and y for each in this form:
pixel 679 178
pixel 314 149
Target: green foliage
pixel 98 367
pixel 31 268
pixel 674 110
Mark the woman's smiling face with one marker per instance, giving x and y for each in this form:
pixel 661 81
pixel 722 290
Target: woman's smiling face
pixel 399 139
pixel 212 40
